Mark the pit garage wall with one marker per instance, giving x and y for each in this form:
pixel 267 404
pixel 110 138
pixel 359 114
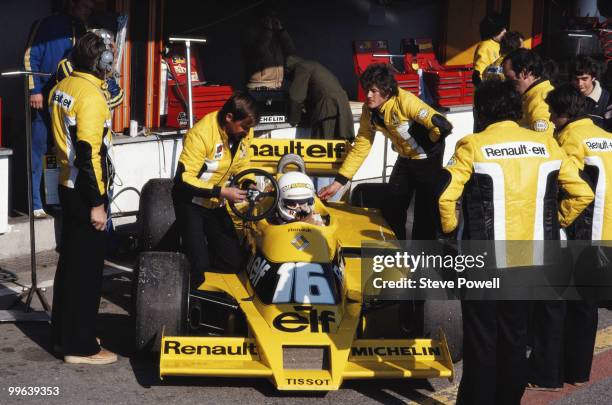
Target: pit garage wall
pixel 139 159
pixel 463 19
pixel 322 30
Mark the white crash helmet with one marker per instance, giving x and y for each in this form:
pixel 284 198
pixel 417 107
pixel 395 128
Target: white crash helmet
pixel 296 196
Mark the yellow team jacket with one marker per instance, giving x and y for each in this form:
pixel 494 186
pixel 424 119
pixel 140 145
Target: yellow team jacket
pixel 590 147
pixel 495 70
pixel 486 53
pixel 508 170
pixel 535 109
pixel 206 162
pixel 65 69
pixel 397 112
pixel 81 121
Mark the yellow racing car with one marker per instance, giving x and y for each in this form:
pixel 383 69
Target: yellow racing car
pixel 296 314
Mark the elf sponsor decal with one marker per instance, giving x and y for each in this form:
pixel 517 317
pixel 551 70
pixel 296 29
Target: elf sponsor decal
pixel 175 347
pixel 331 150
pixel 599 144
pixel 62 99
pixel 393 351
pixel 514 150
pixel 257 268
pixel 295 322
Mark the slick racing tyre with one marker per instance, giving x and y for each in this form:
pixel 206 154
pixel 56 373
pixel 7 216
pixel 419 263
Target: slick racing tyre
pixel 157 229
pixel 161 294
pixel 370 195
pixel 445 315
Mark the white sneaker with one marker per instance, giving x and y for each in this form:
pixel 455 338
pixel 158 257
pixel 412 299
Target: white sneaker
pixel 40 213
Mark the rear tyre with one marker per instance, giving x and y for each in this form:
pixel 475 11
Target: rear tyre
pixel 445 315
pixel 157 229
pixel 160 298
pixel 370 195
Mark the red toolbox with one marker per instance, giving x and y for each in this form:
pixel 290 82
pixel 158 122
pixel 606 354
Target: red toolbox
pixel 449 85
pixel 363 56
pixel 206 97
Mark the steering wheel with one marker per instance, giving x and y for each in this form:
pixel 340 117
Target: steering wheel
pixel 265 199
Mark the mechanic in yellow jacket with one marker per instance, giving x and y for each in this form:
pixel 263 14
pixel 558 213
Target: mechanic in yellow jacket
pixel 80 121
pixel 525 69
pixel 563 344
pixel 214 150
pixel 500 202
pixel 417 132
pixel 511 41
pixel 492 30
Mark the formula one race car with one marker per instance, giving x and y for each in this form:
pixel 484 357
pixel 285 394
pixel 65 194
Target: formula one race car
pixel 296 314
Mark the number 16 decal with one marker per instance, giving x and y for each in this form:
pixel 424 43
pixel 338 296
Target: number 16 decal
pixel 304 282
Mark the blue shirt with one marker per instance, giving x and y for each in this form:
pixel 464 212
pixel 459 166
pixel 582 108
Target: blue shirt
pixel 51 40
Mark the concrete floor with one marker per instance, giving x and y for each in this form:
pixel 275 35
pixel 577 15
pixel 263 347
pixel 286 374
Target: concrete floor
pixel 26 359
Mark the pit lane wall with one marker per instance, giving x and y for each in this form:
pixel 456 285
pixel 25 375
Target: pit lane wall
pixel 139 159
pixel 156 156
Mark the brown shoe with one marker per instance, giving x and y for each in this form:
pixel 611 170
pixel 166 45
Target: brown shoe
pixel 102 357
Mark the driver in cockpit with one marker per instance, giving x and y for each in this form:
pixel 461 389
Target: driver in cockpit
pixel 296 202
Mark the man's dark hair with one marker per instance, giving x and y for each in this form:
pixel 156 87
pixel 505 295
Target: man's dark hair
pixel 86 52
pixel 496 101
pixel 381 76
pixel 491 26
pixel 583 65
pixel 511 41
pixel 567 101
pixel 241 105
pixel 525 60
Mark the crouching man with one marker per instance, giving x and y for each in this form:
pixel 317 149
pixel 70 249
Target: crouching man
pixel 214 150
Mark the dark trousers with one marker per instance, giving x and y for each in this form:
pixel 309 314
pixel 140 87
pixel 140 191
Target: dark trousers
pixel 413 176
pixel 78 280
pixel 563 342
pixel 41 123
pixel 209 240
pixel 494 344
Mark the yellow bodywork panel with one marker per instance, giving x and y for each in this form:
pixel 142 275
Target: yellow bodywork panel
pixel 302 345
pixel 322 157
pixel 329 330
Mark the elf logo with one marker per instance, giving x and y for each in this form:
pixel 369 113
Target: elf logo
pixel 295 322
pixel 330 150
pixel 63 100
pixel 257 268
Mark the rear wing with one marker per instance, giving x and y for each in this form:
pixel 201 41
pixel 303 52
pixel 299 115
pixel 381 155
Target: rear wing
pixel 322 157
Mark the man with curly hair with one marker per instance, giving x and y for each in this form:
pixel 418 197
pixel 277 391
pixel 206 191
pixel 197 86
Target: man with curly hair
pixel 417 132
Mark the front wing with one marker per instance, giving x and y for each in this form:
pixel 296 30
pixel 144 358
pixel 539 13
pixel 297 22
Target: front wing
pixel 244 357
